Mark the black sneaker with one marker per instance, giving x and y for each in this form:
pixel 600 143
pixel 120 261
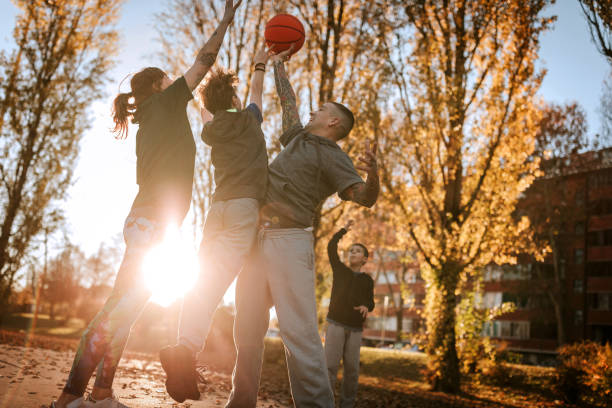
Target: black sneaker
pixel 181 376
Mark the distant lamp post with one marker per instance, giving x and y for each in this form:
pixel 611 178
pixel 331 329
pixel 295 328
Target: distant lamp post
pixel 384 319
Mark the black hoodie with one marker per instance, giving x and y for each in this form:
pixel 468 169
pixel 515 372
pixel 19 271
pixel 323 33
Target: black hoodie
pixel 349 289
pixel 238 154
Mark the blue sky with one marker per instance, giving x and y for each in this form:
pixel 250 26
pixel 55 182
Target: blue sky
pixel 105 176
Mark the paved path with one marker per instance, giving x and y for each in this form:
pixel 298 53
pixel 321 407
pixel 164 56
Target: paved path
pixel 32 377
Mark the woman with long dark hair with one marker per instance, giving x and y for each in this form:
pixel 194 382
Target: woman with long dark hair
pixel 165 152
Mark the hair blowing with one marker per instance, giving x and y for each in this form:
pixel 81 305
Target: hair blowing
pixel 218 93
pixel 144 84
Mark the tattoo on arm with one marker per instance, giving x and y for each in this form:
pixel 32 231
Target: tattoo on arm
pixel 206 58
pixel 364 194
pixel 287 97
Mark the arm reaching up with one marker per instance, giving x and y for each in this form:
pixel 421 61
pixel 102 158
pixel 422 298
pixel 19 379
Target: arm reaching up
pixel 208 53
pixel 332 249
pixel 258 77
pixel 291 117
pixel 366 193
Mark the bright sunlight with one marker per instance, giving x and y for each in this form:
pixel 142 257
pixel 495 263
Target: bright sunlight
pixel 171 268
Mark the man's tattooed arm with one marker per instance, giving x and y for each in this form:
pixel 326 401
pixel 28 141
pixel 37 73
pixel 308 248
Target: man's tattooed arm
pixel 285 92
pixel 366 193
pixel 208 53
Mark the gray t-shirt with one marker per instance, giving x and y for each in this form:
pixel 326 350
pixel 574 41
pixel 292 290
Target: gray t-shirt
pixel 309 169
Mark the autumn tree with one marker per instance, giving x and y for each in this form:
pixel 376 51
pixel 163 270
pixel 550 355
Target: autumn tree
pixel 456 154
pixel 598 14
pixel 61 284
pixel 48 80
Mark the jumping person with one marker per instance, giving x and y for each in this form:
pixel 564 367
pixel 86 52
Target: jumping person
pixel 241 174
pixel 309 168
pixel 352 297
pixel 165 152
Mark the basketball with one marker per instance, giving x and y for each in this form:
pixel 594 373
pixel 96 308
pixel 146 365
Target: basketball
pixel 283 30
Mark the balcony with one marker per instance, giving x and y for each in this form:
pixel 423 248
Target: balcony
pixel 599 284
pixel 600 222
pixel 600 253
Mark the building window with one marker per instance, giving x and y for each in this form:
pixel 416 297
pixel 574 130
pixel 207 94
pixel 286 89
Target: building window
pixel 514 330
pixel 493 273
pixel 578 256
pixel 599 269
pixel 601 301
pixel 578 317
pixel 579 228
pixel 492 299
pixel 578 285
pixel 519 300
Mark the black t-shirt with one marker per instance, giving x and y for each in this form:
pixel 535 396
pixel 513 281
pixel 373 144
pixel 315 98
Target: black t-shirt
pixel 349 289
pixel 165 154
pixel 238 154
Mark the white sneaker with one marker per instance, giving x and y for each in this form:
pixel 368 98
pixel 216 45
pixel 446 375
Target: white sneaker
pixel 110 402
pixel 77 403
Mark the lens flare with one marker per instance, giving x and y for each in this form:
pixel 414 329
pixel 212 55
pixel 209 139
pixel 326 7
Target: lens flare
pixel 171 268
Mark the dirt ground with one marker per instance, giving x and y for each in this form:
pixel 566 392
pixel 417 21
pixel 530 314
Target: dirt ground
pixel 33 377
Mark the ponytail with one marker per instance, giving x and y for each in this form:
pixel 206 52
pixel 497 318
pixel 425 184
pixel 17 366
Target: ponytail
pixel 144 84
pixel 123 110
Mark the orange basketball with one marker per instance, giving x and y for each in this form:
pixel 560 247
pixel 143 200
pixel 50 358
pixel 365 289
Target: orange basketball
pixel 283 30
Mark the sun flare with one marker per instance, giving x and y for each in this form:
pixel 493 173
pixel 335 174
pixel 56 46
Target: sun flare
pixel 171 268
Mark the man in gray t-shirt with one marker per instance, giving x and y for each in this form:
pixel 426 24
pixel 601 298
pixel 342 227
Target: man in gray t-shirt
pixel 280 272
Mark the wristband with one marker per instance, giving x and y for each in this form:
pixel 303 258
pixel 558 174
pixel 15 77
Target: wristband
pixel 260 65
pixel 260 69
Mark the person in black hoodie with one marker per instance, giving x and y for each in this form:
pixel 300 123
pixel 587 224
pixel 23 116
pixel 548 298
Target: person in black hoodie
pixel 352 297
pixel 239 156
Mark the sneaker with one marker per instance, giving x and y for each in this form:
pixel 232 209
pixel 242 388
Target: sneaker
pixel 77 403
pixel 181 375
pixel 110 402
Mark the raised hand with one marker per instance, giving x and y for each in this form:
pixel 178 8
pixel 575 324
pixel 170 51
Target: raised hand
pixel 230 9
pixel 348 225
pixel 281 56
pixel 262 56
pixel 369 159
pixel 363 310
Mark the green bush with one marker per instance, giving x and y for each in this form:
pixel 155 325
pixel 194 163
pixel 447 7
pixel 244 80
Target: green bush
pixel 585 374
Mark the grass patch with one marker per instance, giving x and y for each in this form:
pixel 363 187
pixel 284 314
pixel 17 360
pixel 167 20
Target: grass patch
pixel 22 322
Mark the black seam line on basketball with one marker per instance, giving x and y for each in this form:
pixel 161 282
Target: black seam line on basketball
pixel 292 28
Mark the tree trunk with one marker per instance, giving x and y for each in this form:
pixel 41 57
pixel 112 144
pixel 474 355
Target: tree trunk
pixel 559 317
pixel 399 315
pixel 443 366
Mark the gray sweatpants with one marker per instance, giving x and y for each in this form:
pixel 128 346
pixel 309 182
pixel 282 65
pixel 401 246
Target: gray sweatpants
pixel 229 233
pixel 280 273
pixel 343 344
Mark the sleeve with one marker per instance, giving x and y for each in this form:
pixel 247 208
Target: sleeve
pixel 332 250
pixel 254 109
pixel 370 303
pixel 177 95
pixel 290 134
pixel 341 172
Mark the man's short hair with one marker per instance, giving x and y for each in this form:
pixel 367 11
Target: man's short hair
pixel 365 250
pixel 348 119
pixel 218 92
